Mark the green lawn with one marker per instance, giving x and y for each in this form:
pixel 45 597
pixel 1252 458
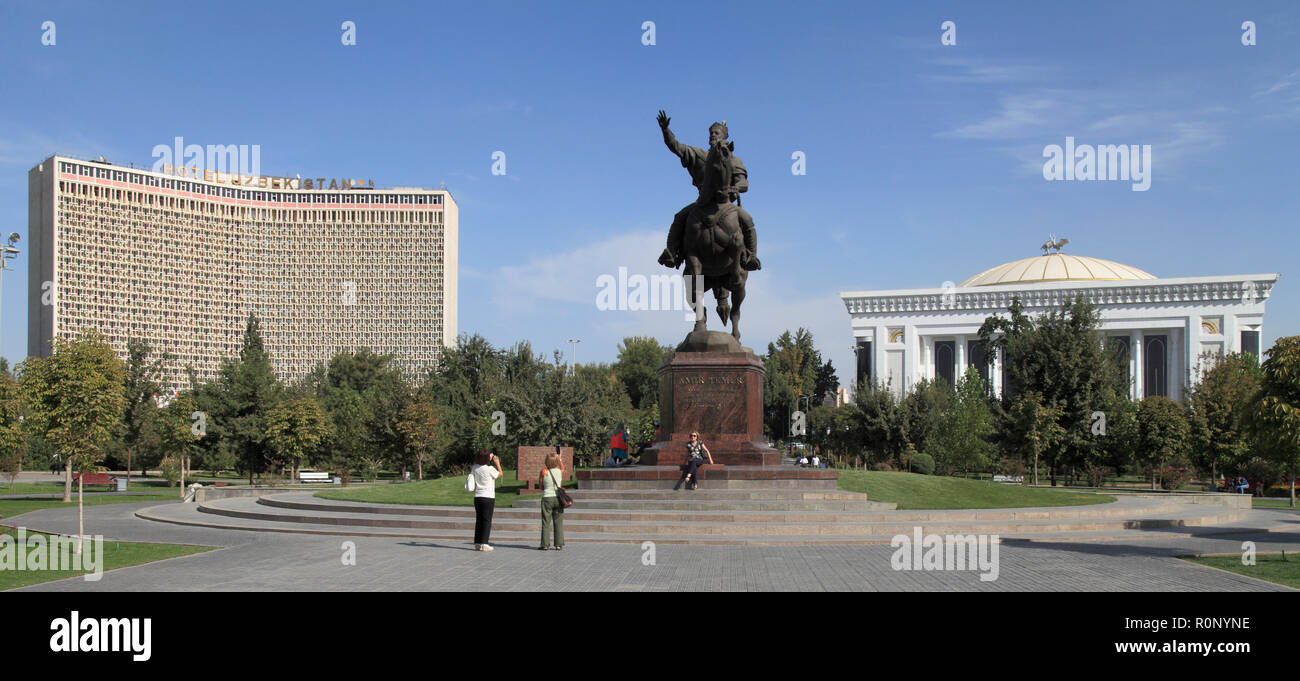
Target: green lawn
pixel 1268 566
pixel 135 485
pixel 913 491
pixel 116 555
pixel 448 491
pixel 1272 502
pixel 12 507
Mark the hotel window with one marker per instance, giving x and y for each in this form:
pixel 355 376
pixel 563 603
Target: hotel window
pixel 945 361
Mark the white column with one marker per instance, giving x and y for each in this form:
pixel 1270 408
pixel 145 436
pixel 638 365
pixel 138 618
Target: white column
pixel 961 360
pixel 911 356
pixel 879 372
pixel 1135 362
pixel 995 378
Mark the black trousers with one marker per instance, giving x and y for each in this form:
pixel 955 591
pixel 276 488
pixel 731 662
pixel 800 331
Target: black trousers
pixel 483 507
pixel 691 465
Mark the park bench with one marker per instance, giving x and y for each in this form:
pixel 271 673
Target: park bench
pixel 1009 479
pixel 94 479
pixel 312 476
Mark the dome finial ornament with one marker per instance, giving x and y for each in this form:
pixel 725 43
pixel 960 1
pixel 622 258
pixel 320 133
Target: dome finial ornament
pixel 1054 243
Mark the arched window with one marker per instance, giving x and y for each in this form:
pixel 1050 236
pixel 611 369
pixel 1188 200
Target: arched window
pixel 1155 377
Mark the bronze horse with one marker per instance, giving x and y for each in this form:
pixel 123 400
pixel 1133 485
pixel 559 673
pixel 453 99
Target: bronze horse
pixel 713 244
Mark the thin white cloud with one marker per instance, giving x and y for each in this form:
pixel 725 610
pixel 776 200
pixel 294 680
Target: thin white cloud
pixel 1018 116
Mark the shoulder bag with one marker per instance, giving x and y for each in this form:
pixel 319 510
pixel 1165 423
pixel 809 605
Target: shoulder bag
pixel 563 496
pixel 469 481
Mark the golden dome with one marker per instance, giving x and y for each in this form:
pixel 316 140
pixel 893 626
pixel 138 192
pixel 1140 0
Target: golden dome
pixel 1055 267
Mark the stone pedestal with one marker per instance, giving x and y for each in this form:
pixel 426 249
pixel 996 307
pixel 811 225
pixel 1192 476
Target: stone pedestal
pixel 719 393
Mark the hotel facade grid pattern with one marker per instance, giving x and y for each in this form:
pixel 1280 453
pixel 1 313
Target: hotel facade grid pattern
pixel 180 263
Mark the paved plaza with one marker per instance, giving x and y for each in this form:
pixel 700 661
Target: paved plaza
pixel 263 561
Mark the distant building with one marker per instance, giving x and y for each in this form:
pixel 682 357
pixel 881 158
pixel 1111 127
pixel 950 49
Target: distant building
pixel 181 262
pixel 1161 325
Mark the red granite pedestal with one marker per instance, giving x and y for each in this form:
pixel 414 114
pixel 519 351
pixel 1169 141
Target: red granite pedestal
pixel 717 392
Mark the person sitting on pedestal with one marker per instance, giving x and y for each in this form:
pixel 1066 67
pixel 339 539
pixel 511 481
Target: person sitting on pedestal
pixel 696 451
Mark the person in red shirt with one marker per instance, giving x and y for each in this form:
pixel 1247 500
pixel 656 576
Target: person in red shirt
pixel 618 446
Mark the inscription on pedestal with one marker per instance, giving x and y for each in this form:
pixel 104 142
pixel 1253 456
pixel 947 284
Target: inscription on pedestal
pixel 706 397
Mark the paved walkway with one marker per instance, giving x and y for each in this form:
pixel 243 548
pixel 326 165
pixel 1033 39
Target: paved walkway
pixel 258 561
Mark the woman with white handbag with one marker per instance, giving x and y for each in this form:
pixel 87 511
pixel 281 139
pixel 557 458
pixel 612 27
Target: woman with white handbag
pixel 482 481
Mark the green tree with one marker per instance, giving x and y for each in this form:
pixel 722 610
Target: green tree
pixel 1275 413
pixel 419 425
pixel 13 438
pixel 141 388
pixel 637 367
pixel 794 369
pixel 924 411
pixel 1037 424
pixel 295 428
pixel 882 426
pixel 177 436
pixel 77 394
pixel 1163 435
pixel 247 389
pixel 1059 355
pixel 961 442
pixel 1220 402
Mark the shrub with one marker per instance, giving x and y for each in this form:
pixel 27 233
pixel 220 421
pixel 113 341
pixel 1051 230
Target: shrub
pixel 170 469
pixel 1172 478
pixel 1097 475
pixel 1012 466
pixel 885 466
pixel 923 463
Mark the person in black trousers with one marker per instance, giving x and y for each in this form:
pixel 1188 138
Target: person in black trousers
pixel 696 452
pixel 486 470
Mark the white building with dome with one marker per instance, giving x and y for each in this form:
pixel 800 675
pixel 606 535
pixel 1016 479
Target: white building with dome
pixel 1162 325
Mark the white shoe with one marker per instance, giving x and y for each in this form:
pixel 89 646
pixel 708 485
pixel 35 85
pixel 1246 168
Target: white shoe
pixel 487 547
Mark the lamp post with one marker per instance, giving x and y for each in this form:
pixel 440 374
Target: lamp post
pixel 9 253
pixel 573 353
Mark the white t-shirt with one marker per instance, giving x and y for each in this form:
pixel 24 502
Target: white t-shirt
pixel 485 481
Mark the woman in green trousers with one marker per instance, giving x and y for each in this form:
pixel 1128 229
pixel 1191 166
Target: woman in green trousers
pixel 551 478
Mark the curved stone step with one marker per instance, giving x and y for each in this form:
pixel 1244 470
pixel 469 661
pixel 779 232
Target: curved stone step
pixel 1169 526
pixel 728 523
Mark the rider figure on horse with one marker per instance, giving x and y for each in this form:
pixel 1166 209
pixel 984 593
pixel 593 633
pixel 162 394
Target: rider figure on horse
pixel 693 160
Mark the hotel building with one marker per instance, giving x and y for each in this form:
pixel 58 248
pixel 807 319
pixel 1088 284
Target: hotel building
pixel 1162 326
pixel 181 261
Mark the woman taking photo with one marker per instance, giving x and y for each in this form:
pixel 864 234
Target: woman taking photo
pixel 486 470
pixel 695 451
pixel 551 477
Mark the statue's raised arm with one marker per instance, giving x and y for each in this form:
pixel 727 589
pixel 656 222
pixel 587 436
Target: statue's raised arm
pixel 670 140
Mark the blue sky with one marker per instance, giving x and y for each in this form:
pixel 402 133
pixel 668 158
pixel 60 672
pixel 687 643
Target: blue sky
pixel 924 161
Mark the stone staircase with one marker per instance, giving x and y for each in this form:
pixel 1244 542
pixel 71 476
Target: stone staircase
pixel 729 512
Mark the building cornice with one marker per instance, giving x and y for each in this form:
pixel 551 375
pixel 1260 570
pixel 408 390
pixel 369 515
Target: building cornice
pixel 1243 288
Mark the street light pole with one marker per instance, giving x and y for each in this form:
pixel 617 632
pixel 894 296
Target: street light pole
pixel 9 253
pixel 573 353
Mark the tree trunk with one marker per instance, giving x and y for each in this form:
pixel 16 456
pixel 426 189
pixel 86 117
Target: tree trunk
pixel 1293 485
pixel 1035 469
pixel 419 468
pixel 81 524
pixel 67 481
pixel 128 466
pixel 182 462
